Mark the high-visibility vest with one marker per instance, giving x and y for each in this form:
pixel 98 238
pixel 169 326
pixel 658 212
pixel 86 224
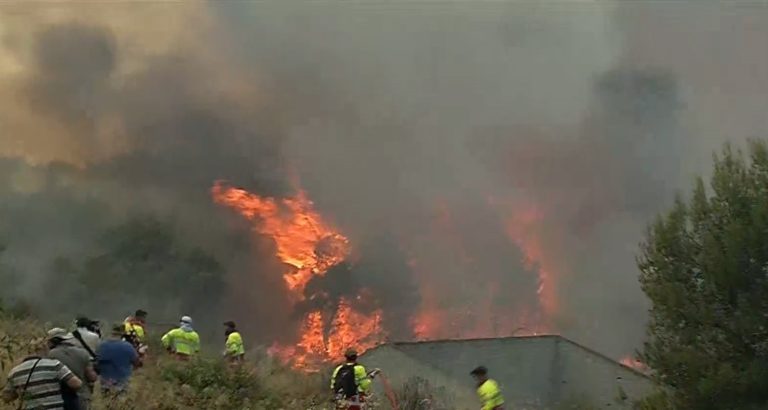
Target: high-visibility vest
pixel 490 395
pixel 234 345
pixel 135 328
pixel 361 377
pixel 181 342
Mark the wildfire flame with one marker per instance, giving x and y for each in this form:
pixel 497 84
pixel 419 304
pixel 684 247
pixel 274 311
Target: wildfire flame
pixel 438 318
pixel 522 229
pixel 309 246
pixel 352 328
pixel 633 363
pixel 304 241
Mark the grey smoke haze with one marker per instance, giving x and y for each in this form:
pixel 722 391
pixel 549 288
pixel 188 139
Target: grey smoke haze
pixel 407 123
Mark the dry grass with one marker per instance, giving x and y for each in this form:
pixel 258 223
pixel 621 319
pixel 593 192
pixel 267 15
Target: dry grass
pixel 18 338
pixel 166 384
pixel 207 383
pixel 418 394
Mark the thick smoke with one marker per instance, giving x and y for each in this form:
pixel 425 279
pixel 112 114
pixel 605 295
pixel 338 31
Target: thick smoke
pixel 105 135
pixel 422 130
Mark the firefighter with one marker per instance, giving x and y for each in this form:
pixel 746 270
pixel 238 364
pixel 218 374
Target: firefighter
pixel 135 331
pixel 234 350
pixel 183 341
pixel 487 390
pixel 350 383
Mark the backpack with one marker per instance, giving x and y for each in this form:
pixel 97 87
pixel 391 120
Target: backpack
pixel 345 381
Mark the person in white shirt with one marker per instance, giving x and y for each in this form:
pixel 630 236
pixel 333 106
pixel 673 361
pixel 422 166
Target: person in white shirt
pixel 87 335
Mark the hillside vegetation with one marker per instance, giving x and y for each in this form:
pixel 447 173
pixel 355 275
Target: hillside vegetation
pixel 165 384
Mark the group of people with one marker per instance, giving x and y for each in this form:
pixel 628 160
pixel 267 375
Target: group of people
pixel 351 384
pixel 62 372
pixel 183 342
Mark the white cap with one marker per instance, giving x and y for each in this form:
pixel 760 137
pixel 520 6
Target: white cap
pixel 59 333
pixel 186 319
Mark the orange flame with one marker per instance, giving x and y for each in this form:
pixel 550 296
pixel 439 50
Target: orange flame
pixel 304 241
pixel 439 318
pixel 311 342
pixel 310 247
pixel 349 328
pixel 352 328
pixel 522 228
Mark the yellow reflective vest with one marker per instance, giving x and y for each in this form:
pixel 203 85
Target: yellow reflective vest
pixel 182 342
pixel 490 395
pixel 135 329
pixel 361 377
pixel 234 345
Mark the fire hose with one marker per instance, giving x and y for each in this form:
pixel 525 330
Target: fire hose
pixel 387 387
pixel 389 392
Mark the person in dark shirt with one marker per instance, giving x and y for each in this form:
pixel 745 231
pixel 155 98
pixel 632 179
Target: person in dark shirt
pixel 116 361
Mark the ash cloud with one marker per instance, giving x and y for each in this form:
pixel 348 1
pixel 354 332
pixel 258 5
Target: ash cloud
pixel 408 125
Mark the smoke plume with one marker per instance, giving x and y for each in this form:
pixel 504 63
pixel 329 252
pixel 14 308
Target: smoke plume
pixel 493 165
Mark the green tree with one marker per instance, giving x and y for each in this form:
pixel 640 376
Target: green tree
pixel 704 266
pixel 140 264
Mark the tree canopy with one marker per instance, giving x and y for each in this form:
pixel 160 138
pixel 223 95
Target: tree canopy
pixel 704 266
pixel 140 264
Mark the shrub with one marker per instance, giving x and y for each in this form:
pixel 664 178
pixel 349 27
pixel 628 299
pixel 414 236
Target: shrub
pixel 167 384
pixel 206 380
pixel 418 394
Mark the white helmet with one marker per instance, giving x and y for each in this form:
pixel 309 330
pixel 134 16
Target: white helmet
pixel 186 319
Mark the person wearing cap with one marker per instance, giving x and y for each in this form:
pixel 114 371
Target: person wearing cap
pixel 183 341
pixel 116 361
pixel 234 350
pixel 487 390
pixel 350 382
pixel 63 347
pixel 87 335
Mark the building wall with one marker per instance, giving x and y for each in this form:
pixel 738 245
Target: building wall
pixel 603 382
pixel 535 372
pixel 521 365
pixel 400 368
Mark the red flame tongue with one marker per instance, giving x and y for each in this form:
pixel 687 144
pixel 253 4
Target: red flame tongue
pixel 309 246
